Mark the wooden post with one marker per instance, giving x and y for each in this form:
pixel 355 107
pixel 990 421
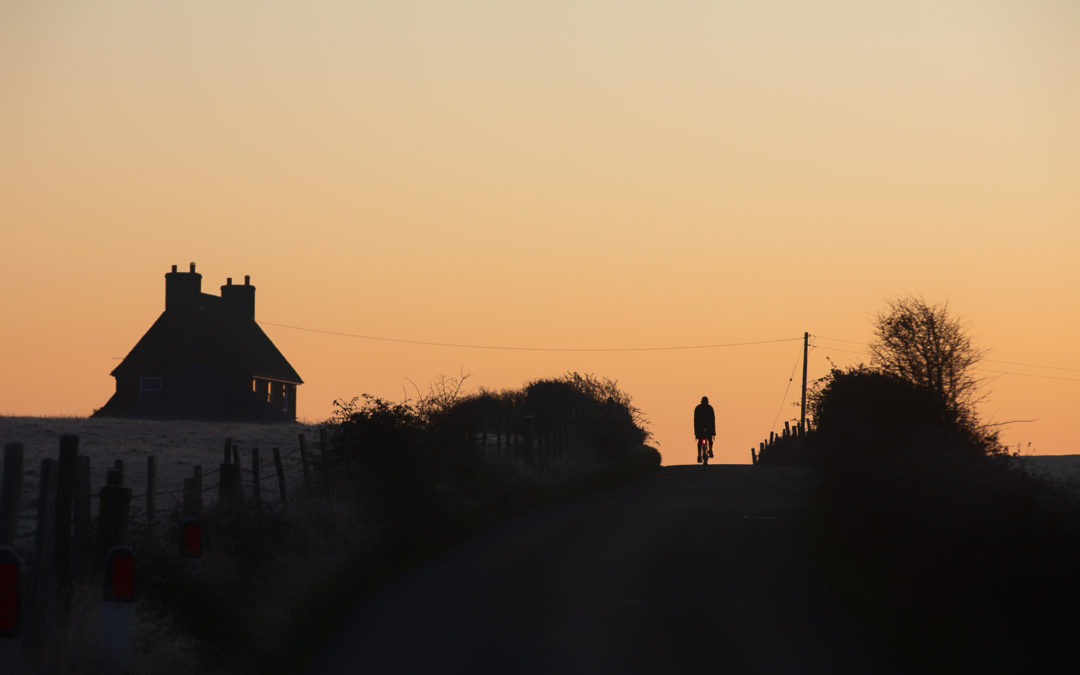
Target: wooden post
pixel 11 600
pixel 228 451
pixel 43 597
pixel 753 456
pixel 188 507
pixel 118 466
pixel 802 407
pixel 196 476
pixel 117 607
pixel 304 463
pixel 324 452
pixel 347 443
pixel 151 490
pixel 11 493
pixel 83 538
pixel 256 484
pixel 229 491
pixel 236 454
pixel 114 508
pixel 280 476
pixel 65 497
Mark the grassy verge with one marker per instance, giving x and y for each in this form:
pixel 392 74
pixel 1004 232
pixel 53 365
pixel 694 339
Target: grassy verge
pixel 278 583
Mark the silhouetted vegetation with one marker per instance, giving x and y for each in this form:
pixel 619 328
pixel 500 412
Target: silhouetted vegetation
pixel 926 345
pixel 399 481
pixel 936 534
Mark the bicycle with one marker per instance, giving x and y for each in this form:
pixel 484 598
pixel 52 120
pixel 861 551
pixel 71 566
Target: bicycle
pixel 704 451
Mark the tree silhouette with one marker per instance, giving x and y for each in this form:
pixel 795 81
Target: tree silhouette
pixel 925 344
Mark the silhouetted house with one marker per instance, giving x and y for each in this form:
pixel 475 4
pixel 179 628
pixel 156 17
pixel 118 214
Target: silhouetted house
pixel 205 358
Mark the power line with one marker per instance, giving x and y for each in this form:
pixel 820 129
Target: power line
pixel 525 349
pixel 1041 377
pixel 1010 363
pixel 825 337
pixel 1033 365
pixel 786 390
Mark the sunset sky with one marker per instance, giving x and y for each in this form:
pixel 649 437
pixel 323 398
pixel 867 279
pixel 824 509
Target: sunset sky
pixel 568 175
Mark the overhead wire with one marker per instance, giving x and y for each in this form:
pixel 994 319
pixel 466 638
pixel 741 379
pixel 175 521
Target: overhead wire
pixel 526 349
pixel 1003 372
pixel 786 390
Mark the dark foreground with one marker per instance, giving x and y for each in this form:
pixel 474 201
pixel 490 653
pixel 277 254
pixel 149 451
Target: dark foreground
pixel 687 570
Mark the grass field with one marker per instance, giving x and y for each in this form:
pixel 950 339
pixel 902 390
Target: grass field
pixel 177 445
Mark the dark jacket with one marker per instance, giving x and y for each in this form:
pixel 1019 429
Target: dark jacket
pixel 704 421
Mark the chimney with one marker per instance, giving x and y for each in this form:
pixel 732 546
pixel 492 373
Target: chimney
pixel 243 297
pixel 182 290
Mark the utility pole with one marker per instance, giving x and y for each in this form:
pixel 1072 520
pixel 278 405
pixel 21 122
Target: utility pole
pixel 805 349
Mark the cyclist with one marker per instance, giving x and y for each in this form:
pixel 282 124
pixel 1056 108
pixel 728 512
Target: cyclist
pixel 704 426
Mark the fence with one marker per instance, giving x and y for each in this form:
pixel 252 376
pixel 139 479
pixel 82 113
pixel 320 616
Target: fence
pixel 51 543
pixel 59 541
pixel 779 446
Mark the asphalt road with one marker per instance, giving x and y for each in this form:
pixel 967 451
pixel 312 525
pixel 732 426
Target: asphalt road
pixel 688 570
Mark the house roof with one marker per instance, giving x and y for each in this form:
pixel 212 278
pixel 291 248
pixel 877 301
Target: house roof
pixel 214 333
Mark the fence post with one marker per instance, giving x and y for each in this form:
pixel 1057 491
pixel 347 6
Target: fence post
pixel 753 456
pixel 65 498
pixel 191 544
pixel 11 493
pixel 256 489
pixel 280 476
pixel 10 608
pixel 118 466
pixel 114 508
pixel 229 492
pixel 196 476
pixel 324 452
pixel 117 607
pixel 304 463
pixel 43 597
pixel 228 451
pixel 82 536
pixel 151 489
pixel 188 506
pixel 236 454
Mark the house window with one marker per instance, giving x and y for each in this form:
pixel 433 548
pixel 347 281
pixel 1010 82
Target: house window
pixel 285 398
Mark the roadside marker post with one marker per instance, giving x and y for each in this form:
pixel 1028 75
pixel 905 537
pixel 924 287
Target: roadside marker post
pixel 10 610
pixel 191 545
pixel 118 606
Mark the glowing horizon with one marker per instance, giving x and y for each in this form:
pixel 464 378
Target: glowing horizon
pixel 565 175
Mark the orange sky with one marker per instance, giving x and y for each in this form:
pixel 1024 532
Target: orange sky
pixel 565 174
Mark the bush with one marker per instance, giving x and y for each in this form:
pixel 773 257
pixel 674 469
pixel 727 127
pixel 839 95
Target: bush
pixel 933 529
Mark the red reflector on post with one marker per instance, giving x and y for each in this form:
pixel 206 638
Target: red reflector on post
pixel 193 541
pixel 123 577
pixel 119 577
pixel 9 596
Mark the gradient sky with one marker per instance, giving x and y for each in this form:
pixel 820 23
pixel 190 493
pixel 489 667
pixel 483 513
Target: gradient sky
pixel 577 174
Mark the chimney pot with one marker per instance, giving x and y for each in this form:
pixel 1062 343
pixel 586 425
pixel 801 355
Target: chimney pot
pixel 247 279
pixel 174 268
pixel 228 281
pixel 193 268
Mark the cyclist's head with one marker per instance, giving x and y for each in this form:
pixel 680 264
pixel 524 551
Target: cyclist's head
pixel 704 399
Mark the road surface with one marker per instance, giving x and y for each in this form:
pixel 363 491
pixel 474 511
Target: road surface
pixel 687 570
